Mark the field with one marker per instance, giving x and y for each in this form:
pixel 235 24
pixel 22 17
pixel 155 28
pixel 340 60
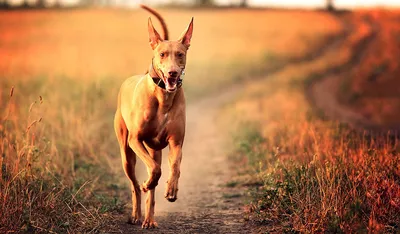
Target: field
pixel 60 165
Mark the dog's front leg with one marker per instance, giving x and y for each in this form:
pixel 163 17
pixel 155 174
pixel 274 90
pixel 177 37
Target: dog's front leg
pixel 174 159
pixel 153 168
pixel 149 221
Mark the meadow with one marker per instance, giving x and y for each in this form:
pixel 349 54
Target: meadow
pixel 60 74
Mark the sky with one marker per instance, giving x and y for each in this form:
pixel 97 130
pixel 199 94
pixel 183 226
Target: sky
pixel 273 3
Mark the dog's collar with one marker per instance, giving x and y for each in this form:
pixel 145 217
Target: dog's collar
pixel 159 81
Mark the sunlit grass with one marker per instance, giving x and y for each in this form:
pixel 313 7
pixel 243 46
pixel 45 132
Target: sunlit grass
pixel 329 181
pixel 54 173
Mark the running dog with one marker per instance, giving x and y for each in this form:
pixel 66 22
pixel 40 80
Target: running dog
pixel 151 116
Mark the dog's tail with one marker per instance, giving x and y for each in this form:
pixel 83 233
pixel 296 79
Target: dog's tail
pixel 158 16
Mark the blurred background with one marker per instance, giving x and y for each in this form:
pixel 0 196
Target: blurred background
pixel 311 108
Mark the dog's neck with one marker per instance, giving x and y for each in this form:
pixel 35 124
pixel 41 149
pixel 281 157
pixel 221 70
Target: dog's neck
pixel 157 79
pixel 164 98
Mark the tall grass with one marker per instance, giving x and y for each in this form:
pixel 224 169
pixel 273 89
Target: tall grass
pixel 333 181
pixel 50 176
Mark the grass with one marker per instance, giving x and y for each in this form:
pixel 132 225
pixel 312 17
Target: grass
pixel 314 175
pixel 231 184
pixel 49 180
pixel 342 183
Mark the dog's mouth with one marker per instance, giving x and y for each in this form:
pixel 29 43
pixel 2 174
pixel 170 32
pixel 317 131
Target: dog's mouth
pixel 171 84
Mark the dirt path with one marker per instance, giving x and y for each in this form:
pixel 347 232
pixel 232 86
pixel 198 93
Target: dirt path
pixel 323 92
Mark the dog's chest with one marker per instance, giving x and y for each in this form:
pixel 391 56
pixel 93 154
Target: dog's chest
pixel 155 129
pixel 162 120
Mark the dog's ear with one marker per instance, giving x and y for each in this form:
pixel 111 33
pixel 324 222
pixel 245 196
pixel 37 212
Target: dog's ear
pixel 154 37
pixel 187 35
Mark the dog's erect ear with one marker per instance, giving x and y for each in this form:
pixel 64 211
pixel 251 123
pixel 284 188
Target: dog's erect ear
pixel 154 37
pixel 187 35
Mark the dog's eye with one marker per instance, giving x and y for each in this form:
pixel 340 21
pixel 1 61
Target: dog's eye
pixel 180 55
pixel 162 55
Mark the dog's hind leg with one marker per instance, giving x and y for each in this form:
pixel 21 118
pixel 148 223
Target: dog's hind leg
pixel 128 163
pixel 149 221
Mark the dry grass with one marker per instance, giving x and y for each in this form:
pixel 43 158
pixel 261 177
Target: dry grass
pixel 49 182
pixel 331 181
pixel 315 175
pixel 62 173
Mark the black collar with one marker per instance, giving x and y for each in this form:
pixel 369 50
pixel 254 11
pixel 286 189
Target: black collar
pixel 160 83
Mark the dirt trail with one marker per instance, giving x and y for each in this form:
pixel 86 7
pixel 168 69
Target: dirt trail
pixel 204 204
pixel 323 92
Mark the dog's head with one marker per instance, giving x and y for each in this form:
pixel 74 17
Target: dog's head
pixel 170 56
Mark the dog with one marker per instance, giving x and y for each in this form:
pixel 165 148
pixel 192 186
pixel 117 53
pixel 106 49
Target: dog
pixel 151 116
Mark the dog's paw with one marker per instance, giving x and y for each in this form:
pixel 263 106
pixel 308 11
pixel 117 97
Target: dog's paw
pixel 149 223
pixel 144 188
pixel 171 192
pixel 171 198
pixel 134 220
pixel 148 185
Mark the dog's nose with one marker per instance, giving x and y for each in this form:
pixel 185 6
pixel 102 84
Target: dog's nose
pixel 173 73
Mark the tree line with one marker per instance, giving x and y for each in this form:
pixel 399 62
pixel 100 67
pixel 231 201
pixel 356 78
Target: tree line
pixel 5 4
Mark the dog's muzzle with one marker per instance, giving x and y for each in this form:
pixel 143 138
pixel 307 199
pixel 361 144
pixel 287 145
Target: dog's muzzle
pixel 171 84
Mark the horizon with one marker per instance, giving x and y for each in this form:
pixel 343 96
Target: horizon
pixel 286 4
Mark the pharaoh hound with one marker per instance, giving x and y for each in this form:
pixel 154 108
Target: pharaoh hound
pixel 151 116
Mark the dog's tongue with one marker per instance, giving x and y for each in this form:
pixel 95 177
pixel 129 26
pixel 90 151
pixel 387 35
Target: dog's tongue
pixel 170 84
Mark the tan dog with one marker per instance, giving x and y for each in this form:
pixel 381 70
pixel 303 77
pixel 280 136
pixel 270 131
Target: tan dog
pixel 151 116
